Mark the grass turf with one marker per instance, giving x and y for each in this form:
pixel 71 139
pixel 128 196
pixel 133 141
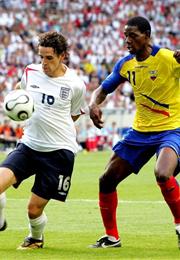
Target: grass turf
pixel 144 220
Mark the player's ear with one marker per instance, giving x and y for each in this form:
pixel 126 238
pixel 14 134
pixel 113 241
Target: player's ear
pixel 62 56
pixel 148 33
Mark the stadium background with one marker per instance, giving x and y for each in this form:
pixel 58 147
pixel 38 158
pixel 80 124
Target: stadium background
pixel 95 32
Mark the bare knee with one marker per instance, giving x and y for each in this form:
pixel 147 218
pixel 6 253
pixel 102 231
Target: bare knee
pixel 161 174
pixel 108 183
pixel 34 211
pixel 166 164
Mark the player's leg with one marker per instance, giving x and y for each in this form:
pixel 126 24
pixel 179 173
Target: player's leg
pixel 130 155
pixel 7 178
pixel 177 225
pixel 59 167
pixel 37 222
pixel 116 171
pixel 3 223
pixel 166 165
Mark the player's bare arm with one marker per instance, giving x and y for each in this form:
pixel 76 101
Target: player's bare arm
pixel 177 55
pixel 95 112
pixel 18 85
pixel 74 118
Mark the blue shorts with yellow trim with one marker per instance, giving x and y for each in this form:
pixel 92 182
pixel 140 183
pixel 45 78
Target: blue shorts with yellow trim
pixel 137 147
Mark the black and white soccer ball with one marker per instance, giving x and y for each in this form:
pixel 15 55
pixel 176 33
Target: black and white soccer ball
pixel 18 105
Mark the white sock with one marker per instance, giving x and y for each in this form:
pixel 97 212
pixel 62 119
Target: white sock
pixel 37 226
pixel 2 206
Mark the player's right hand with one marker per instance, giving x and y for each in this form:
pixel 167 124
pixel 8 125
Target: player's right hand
pixel 96 115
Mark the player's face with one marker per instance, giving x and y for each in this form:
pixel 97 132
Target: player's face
pixel 136 41
pixel 51 62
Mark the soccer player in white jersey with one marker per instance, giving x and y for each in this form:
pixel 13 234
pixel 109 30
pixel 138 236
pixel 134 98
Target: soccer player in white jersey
pixel 48 145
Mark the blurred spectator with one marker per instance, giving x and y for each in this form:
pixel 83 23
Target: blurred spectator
pixel 7 130
pixel 91 138
pixel 81 137
pixel 18 131
pixel 113 134
pixel 7 135
pixel 101 139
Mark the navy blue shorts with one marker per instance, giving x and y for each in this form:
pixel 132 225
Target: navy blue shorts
pixel 137 148
pixel 52 170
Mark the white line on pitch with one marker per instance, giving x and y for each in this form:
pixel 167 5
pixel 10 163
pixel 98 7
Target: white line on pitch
pixel 96 201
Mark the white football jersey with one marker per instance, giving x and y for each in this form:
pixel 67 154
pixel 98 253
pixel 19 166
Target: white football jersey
pixel 55 100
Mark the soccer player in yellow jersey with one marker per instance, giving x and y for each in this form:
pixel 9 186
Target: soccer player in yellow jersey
pixel 154 74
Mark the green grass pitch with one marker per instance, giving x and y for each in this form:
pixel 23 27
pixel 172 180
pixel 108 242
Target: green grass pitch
pixel 144 220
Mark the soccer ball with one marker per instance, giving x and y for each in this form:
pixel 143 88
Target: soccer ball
pixel 18 105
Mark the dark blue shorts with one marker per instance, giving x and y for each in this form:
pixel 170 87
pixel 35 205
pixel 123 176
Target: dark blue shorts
pixel 52 170
pixel 137 148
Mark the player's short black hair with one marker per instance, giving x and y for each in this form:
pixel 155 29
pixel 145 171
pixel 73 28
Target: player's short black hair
pixel 142 24
pixel 54 40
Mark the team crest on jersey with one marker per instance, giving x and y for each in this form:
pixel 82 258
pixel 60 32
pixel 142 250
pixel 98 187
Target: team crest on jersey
pixel 153 74
pixel 64 93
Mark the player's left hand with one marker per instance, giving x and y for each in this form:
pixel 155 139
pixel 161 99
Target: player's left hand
pixel 177 55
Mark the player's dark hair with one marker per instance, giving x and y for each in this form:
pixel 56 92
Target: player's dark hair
pixel 142 24
pixel 54 40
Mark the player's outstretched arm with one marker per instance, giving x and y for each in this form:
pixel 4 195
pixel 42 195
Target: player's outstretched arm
pixel 18 85
pixel 177 55
pixel 98 96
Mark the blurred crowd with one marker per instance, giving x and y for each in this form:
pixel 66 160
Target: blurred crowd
pixel 89 137
pixel 9 135
pixel 92 139
pixel 94 29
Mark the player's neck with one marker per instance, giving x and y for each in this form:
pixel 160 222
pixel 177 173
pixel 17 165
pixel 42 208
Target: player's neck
pixel 144 54
pixel 61 70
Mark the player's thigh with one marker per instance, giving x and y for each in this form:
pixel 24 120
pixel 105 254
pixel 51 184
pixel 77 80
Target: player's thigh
pixel 167 163
pixel 53 176
pixel 7 178
pixel 168 154
pixel 21 162
pixel 118 168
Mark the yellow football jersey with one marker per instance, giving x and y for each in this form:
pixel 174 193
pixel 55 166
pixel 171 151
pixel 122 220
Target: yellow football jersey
pixel 156 86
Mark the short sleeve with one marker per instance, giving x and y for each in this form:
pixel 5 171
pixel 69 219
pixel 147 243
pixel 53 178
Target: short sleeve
pixel 79 105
